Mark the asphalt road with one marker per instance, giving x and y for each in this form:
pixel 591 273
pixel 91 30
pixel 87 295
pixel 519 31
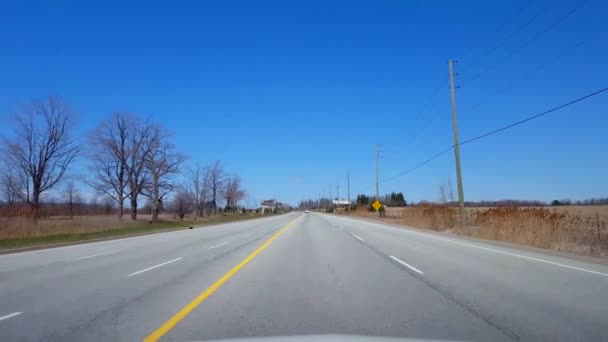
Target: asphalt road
pixel 299 274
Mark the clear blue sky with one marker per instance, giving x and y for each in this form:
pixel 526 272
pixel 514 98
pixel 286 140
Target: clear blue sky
pixel 291 94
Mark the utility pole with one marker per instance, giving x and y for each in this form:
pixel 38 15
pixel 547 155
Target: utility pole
pixel 348 187
pixel 324 199
pixel 338 190
pixel 456 145
pixel 377 169
pixel 378 176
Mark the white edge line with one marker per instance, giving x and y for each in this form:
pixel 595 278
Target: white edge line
pixel 409 230
pixel 522 256
pixel 220 245
pixel 10 315
pixel 155 266
pixel 407 265
pixel 246 236
pixel 358 238
pixel 95 255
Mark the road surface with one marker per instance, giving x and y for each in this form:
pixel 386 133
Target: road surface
pixel 299 274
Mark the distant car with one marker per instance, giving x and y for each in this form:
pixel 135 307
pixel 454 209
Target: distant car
pixel 306 211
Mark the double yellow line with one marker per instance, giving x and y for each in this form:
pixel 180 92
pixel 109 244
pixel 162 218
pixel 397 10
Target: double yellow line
pixel 181 314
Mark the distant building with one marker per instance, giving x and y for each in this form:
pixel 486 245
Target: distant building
pixel 341 202
pixel 273 205
pixel 270 204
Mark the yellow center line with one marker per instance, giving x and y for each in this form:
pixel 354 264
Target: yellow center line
pixel 181 314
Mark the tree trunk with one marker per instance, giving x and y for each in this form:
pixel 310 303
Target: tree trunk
pixel 133 209
pixel 35 204
pixel 214 199
pixel 155 211
pixel 121 207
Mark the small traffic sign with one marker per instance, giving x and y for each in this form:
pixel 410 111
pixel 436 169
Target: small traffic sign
pixel 377 205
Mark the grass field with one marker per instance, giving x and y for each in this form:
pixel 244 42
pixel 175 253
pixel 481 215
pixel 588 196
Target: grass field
pixel 575 229
pixel 21 232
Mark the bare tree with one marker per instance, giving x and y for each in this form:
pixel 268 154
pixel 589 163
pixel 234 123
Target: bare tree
pixel 13 184
pixel 161 163
pixel 71 195
pixel 216 180
pixel 107 204
pixel 450 190
pixel 233 193
pixel 183 203
pixel 442 193
pixel 42 148
pixel 198 185
pixel 111 151
pixel 140 142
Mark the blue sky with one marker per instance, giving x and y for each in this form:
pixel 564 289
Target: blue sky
pixel 291 94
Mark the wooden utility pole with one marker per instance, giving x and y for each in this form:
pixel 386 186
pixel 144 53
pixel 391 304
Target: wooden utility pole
pixel 348 188
pixel 377 176
pixel 377 169
pixel 338 191
pixel 456 144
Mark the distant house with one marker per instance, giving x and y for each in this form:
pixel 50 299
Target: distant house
pixel 273 205
pixel 270 204
pixel 341 202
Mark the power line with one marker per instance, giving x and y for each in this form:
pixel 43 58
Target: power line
pixel 431 106
pixel 513 33
pixel 534 117
pixel 526 44
pixel 527 75
pixel 419 165
pixel 497 131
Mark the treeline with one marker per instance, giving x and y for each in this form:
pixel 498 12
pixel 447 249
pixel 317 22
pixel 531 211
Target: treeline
pixel 521 203
pixel 394 199
pixel 129 159
pixel 397 199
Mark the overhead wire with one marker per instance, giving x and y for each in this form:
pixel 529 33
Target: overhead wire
pixel 484 135
pixel 528 75
pixel 527 43
pixel 512 33
pixel 416 137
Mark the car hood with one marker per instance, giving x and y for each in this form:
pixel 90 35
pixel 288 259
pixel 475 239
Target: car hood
pixel 326 338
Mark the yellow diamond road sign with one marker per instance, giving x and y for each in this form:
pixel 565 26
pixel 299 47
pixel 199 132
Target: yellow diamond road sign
pixel 376 205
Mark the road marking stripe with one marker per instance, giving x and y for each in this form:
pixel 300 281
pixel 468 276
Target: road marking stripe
pixel 95 255
pixel 10 315
pixel 521 256
pixel 358 238
pixel 220 245
pixel 408 230
pixel 155 266
pixel 407 265
pixel 246 236
pixel 181 314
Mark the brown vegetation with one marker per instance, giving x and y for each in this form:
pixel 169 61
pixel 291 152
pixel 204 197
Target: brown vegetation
pixel 574 229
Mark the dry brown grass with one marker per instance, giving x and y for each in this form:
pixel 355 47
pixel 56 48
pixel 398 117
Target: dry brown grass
pixel 25 227
pixel 571 229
